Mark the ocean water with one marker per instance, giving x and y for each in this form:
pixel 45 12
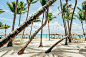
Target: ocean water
pixel 46 36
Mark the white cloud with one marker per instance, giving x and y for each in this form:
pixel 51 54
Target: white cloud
pixel 76 28
pixel 5 19
pixel 57 28
pixel 6 10
pixel 50 10
pixel 84 26
pixel 1 5
pixel 23 18
pixel 55 12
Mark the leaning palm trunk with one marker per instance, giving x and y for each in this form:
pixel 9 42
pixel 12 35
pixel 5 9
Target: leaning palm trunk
pixel 41 33
pixel 25 24
pixel 22 50
pixel 10 43
pixel 64 22
pixel 49 50
pixel 72 21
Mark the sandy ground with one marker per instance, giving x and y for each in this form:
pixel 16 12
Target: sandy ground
pixel 33 50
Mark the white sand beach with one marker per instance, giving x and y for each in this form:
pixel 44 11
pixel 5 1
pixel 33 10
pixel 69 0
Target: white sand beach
pixel 33 50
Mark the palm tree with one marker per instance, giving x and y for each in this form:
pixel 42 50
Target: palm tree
pixel 81 17
pixel 43 2
pixel 13 8
pixel 1 11
pixel 84 8
pixel 25 24
pixel 37 20
pixel 5 27
pixel 63 10
pixel 67 19
pixel 50 18
pixel 22 9
pixel 1 25
pixel 72 20
pixel 29 2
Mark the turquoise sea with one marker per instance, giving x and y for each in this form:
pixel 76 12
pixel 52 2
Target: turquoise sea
pixel 45 36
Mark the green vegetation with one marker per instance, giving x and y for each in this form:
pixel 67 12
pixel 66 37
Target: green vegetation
pixel 5 26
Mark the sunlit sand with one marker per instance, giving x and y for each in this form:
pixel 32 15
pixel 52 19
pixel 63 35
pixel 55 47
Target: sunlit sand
pixel 33 50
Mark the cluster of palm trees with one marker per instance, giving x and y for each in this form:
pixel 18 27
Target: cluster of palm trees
pixel 67 14
pixel 82 14
pixel 21 8
pixel 4 26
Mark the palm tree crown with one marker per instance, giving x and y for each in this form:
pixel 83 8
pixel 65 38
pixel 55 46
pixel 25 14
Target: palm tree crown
pixel 5 26
pixel 51 17
pixel 31 1
pixel 21 7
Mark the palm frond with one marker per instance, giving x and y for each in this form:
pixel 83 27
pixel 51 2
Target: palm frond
pixel 78 8
pixel 1 11
pixel 34 2
pixel 11 7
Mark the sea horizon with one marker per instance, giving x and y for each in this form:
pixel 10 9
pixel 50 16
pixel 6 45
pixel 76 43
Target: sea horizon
pixel 46 36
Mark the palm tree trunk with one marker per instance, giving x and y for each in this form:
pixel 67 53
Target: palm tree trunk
pixel 41 33
pixel 49 50
pixel 10 43
pixel 22 50
pixel 5 32
pixel 48 26
pixel 25 24
pixel 49 30
pixel 64 23
pixel 85 16
pixel 67 18
pixel 83 29
pixel 30 31
pixel 72 20
pixel 26 19
pixel 19 19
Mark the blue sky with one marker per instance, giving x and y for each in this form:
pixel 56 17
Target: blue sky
pixel 55 24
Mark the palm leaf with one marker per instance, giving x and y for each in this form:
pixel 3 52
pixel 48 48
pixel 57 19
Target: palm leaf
pixel 2 11
pixel 34 2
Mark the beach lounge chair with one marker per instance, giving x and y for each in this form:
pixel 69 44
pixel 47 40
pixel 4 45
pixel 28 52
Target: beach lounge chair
pixel 18 41
pixel 77 40
pixel 53 38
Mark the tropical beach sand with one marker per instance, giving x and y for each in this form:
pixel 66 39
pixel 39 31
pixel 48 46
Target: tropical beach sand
pixel 33 50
